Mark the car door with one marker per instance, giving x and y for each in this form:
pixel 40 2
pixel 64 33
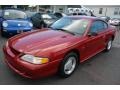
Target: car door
pixel 94 43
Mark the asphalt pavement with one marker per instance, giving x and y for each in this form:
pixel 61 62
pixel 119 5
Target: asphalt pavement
pixel 104 68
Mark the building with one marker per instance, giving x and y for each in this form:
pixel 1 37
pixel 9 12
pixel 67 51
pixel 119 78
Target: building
pixel 112 11
pixel 63 8
pixel 22 7
pixel 43 8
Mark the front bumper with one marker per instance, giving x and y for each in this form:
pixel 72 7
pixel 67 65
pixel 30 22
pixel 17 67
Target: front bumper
pixel 29 70
pixel 8 32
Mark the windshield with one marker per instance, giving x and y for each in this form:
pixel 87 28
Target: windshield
pixel 30 14
pixel 14 14
pixel 76 26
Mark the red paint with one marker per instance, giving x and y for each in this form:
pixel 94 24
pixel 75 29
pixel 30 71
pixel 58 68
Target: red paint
pixel 53 45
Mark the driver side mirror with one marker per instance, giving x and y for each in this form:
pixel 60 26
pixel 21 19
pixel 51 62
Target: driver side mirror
pixel 92 34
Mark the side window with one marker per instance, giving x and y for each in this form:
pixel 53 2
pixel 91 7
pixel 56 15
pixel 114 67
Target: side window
pixel 116 11
pixel 100 10
pixel 94 27
pixel 98 26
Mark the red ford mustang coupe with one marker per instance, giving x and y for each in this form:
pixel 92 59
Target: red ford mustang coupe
pixel 58 49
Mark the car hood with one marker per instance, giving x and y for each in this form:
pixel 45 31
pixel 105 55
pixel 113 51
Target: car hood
pixel 42 41
pixel 18 23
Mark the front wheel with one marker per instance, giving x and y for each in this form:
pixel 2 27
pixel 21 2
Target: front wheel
pixel 68 65
pixel 109 45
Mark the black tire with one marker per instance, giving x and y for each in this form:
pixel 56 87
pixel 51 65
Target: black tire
pixel 62 72
pixel 2 33
pixel 109 45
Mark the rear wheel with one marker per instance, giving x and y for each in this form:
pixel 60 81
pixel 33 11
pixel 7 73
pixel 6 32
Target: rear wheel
pixel 68 65
pixel 109 45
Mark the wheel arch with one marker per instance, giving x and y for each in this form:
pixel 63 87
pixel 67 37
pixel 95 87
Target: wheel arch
pixel 113 37
pixel 75 51
pixel 61 65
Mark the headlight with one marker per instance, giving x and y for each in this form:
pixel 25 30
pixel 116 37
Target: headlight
pixel 5 24
pixel 34 60
pixel 30 24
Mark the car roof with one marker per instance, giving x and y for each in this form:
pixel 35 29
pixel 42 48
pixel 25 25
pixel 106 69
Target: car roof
pixel 84 17
pixel 115 18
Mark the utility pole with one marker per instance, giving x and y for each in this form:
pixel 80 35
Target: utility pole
pixel 106 11
pixel 14 6
pixel 54 8
pixel 37 8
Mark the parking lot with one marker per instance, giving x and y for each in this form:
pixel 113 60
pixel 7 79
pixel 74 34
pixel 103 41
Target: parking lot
pixel 103 68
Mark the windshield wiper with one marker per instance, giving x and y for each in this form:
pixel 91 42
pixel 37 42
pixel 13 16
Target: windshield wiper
pixel 65 31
